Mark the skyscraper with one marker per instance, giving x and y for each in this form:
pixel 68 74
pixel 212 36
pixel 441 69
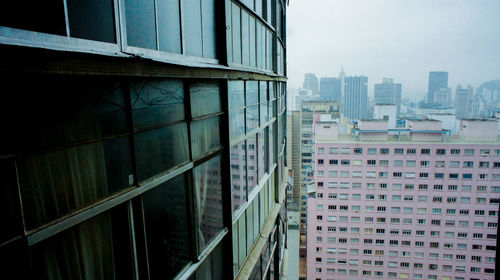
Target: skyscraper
pixel 463 101
pixel 136 146
pixel 355 101
pixel 330 89
pixel 412 203
pixel 311 83
pixel 388 93
pixel 437 81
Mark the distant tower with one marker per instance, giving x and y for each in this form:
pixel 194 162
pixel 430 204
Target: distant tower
pixel 311 83
pixel 437 81
pixel 463 99
pixel 342 82
pixel 330 89
pixel 355 101
pixel 388 93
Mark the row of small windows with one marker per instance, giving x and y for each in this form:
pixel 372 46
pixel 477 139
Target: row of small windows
pixel 367 273
pixel 408 187
pixel 410 151
pixel 407 210
pixel 409 163
pixel 406 175
pixel 406 232
pixel 369 251
pixel 408 198
pixel 406 221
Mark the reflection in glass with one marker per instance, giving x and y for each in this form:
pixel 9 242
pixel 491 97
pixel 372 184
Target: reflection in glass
pixel 252 163
pixel 252 42
pixel 250 234
pixel 166 219
pixel 92 19
pixel 242 246
pixel 156 102
pixel 209 34
pixel 236 34
pixel 169 26
pixel 252 93
pixel 205 136
pixel 238 175
pixel 252 118
pixel 141 26
pixel 236 92
pixel 95 249
pixel 245 38
pixel 271 144
pixel 259 50
pixel 262 153
pixel 208 200
pixel 161 149
pixel 264 117
pixel 205 99
pixel 236 123
pixel 55 183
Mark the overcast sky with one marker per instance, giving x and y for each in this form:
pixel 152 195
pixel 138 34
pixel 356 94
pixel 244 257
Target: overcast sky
pixel 402 39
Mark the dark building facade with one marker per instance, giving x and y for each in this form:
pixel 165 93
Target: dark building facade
pixel 143 139
pixel 437 81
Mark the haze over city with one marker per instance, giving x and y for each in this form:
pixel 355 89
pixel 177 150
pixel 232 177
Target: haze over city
pixel 399 39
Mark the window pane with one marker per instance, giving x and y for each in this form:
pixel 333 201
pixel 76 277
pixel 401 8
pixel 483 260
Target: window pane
pixel 252 163
pixel 252 42
pixel 271 144
pixel 238 175
pixel 236 34
pixel 156 102
pixel 141 26
pixel 209 34
pixel 191 17
pixel 242 248
pixel 92 19
pixel 236 93
pixel 53 184
pixel 166 219
pixel 245 38
pixel 208 196
pixel 236 123
pixel 169 26
pixel 95 249
pixel 94 109
pixel 252 116
pixel 161 149
pixel 40 16
pixel 10 209
pixel 205 136
pixel 252 92
pixel 260 52
pixel 205 99
pixel 250 226
pixel 262 147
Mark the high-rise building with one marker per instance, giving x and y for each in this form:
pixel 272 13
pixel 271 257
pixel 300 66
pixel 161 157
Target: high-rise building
pixel 463 101
pixel 437 81
pixel 355 101
pixel 330 89
pixel 443 97
pixel 311 83
pixel 409 203
pixel 143 139
pixel 388 93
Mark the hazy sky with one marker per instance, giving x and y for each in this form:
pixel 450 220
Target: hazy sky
pixel 402 39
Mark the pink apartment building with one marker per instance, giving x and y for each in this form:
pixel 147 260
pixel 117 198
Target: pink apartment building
pixel 408 203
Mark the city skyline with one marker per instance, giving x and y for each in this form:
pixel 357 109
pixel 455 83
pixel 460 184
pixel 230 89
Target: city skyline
pixel 467 47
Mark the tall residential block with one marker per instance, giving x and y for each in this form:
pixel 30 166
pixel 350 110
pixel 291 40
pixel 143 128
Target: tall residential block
pixel 355 100
pixel 406 203
pixel 388 93
pixel 437 81
pixel 330 89
pixel 143 139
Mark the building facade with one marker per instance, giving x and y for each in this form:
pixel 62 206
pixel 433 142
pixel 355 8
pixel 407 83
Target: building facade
pixel 355 100
pixel 143 139
pixel 388 93
pixel 413 205
pixel 463 101
pixel 437 81
pixel 311 83
pixel 330 89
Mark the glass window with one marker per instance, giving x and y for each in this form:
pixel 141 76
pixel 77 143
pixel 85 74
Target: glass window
pixel 245 38
pixel 251 143
pixel 205 99
pixel 262 154
pixel 156 102
pixel 75 178
pixel 242 246
pixel 205 136
pixel 92 20
pixel 209 34
pixel 191 25
pixel 236 34
pixel 98 248
pixel 169 27
pixel 10 213
pixel 252 118
pixel 166 220
pixel 238 172
pixel 40 16
pixel 208 200
pixel 141 26
pixel 161 149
